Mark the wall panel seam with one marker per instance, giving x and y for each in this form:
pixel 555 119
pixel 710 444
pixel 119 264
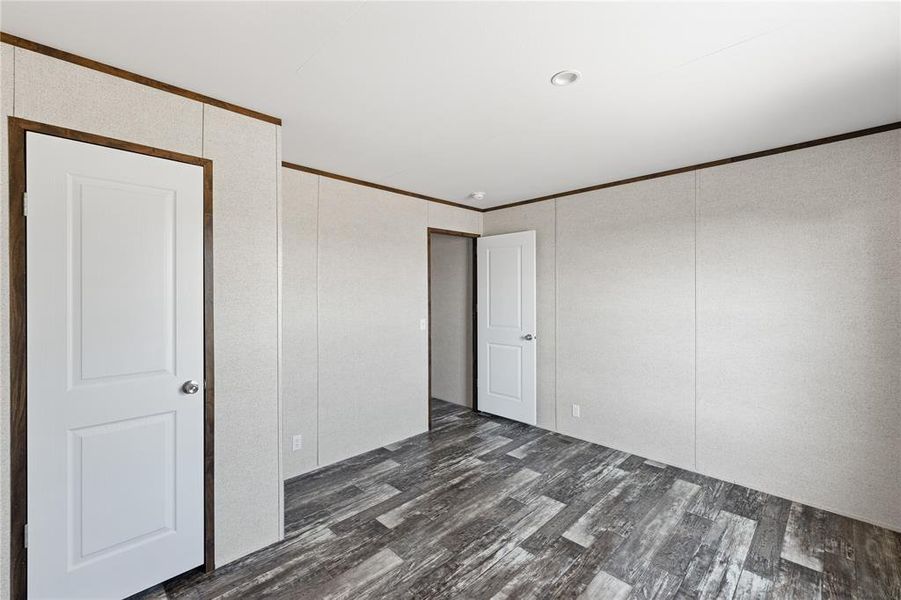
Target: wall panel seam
pixel 318 316
pixel 695 435
pixel 556 398
pixel 280 523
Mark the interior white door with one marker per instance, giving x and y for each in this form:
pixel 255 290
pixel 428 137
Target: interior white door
pixel 507 325
pixel 115 329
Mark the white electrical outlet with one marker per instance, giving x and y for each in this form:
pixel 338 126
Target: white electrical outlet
pixel 577 411
pixel 297 442
pixel 422 324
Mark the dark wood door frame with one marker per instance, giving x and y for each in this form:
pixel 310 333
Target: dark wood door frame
pixel 18 334
pixel 475 364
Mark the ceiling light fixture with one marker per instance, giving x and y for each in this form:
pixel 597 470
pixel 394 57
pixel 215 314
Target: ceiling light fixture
pixel 567 77
pixel 477 196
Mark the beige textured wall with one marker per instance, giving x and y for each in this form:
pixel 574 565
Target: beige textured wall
pixel 372 295
pixel 354 368
pixel 248 479
pixel 451 318
pixel 625 318
pixel 799 325
pixel 300 320
pixel 541 217
pixel 798 320
pixel 444 216
pixel 245 155
pixel 60 93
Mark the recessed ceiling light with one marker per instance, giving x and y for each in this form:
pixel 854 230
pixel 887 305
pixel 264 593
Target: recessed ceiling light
pixel 567 77
pixel 477 195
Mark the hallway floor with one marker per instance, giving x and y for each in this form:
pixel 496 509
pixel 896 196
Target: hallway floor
pixel 482 507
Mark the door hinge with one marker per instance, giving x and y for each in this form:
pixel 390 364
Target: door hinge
pixel 26 535
pixel 25 203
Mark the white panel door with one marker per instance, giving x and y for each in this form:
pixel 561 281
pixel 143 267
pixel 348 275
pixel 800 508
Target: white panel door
pixel 115 329
pixel 506 326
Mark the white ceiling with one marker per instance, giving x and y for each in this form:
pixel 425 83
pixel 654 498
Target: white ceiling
pixel 445 98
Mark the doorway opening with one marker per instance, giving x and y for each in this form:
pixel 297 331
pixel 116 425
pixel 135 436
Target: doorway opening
pixel 453 365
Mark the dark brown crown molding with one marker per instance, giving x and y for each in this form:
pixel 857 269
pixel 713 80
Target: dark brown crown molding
pixel 117 72
pixel 13 40
pixel 707 165
pixel 377 186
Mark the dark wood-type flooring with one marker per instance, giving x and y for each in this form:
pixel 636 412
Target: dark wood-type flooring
pixel 482 507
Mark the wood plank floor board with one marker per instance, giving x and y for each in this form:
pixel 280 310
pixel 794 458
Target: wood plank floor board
pixel 336 558
pixel 804 536
pixel 346 584
pixel 439 498
pixel 878 566
pixel 430 524
pixel 655 584
pixel 484 444
pixel 597 517
pixel 796 582
pixel 329 559
pixel 517 441
pixel 713 495
pixel 319 507
pixel 341 474
pixel 418 474
pixel 586 566
pixel 546 571
pixel 839 558
pixel 720 566
pixel 591 473
pixel 631 500
pixel 481 528
pixel 398 582
pixel 651 533
pixel 744 502
pixel 492 575
pixel 486 555
pixel 367 498
pixel 390 511
pixel 766 547
pixel 605 585
pixel 632 462
pixel 563 521
pixel 554 453
pixel 646 497
pixel 482 507
pixel 700 564
pixel 676 552
pixel 752 586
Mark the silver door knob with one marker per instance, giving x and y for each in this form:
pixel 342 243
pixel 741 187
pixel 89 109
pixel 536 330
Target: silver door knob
pixel 190 387
pixel 529 337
